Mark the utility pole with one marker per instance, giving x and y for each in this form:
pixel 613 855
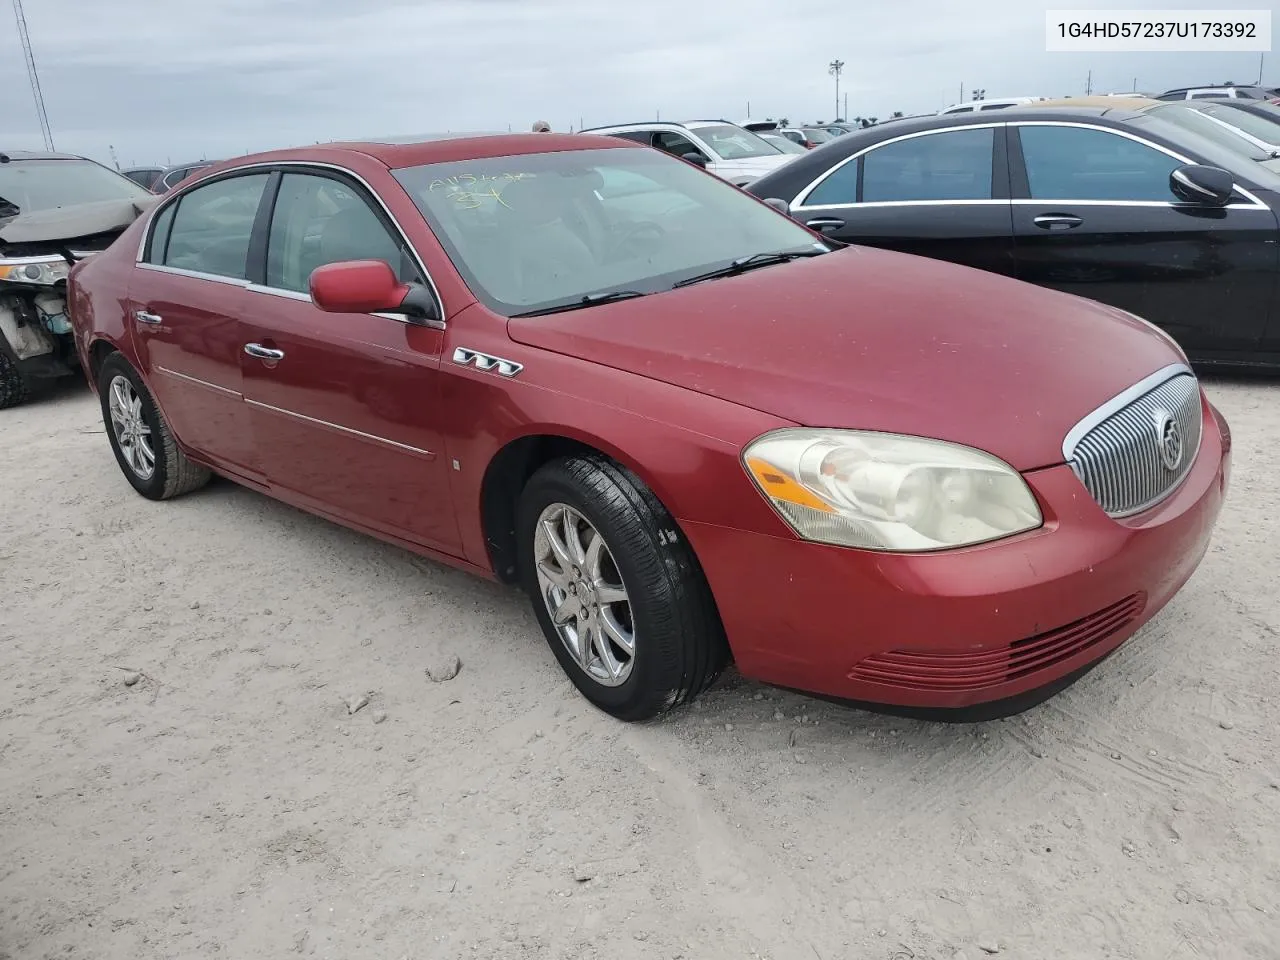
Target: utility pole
pixel 32 75
pixel 1261 57
pixel 835 68
pixel 116 160
pixel 1088 84
pixel 845 115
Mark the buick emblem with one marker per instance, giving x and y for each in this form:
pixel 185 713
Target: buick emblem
pixel 1169 440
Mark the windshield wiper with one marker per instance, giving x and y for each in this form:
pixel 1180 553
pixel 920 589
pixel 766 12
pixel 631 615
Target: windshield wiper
pixel 590 300
pixel 742 264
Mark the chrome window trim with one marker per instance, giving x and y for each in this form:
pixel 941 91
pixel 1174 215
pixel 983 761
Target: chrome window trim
pixel 306 298
pixel 1254 204
pixel 800 205
pixel 198 382
pixel 907 203
pixel 1118 403
pixel 298 165
pixel 418 451
pixel 194 274
pixel 803 195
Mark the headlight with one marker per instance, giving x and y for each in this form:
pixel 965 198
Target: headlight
pixel 42 270
pixel 883 491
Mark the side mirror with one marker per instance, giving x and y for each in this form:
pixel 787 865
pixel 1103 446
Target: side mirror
pixel 780 205
pixel 1207 186
pixel 697 159
pixel 369 286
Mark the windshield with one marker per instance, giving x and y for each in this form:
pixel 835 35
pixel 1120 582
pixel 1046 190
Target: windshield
pixel 1193 120
pixel 817 135
pixel 541 230
pixel 34 185
pixel 1264 126
pixel 783 144
pixel 734 143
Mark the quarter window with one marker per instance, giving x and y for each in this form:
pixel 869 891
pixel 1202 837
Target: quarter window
pixel 1076 163
pixel 209 232
pixel 320 220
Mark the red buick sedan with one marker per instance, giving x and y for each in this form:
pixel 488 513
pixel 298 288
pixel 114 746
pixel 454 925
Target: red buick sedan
pixel 687 426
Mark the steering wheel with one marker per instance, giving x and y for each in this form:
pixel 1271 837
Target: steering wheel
pixel 645 233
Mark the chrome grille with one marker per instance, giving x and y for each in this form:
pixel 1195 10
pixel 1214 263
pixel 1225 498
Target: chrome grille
pixel 1123 453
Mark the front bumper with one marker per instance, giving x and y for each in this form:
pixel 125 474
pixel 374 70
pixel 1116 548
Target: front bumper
pixel 961 628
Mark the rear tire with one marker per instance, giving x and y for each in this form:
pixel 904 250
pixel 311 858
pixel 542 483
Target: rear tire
pixel 13 386
pixel 145 448
pixel 630 574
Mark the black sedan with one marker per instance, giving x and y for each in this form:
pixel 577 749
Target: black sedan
pixel 1119 206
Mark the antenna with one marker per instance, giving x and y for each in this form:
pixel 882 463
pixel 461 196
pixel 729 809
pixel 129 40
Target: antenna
pixel 32 75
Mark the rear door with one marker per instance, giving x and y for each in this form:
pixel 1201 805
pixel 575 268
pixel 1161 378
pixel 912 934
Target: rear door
pixel 185 299
pixel 346 407
pixel 939 193
pixel 1094 216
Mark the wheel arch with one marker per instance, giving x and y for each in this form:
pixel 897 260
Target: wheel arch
pixel 510 468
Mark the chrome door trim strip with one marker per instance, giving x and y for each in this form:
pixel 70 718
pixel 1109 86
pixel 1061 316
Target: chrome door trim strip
pixel 1136 203
pixel 304 165
pixel 904 203
pixel 306 298
pixel 1119 402
pixel 198 382
pixel 427 454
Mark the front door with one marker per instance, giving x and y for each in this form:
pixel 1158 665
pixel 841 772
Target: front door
pixel 1094 216
pixel 941 194
pixel 345 406
pixel 185 301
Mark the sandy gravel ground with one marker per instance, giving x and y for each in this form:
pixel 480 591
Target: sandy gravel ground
pixel 226 804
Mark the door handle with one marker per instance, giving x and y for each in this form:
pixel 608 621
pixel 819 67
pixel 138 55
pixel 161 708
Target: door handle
pixel 825 223
pixel 263 353
pixel 1057 221
pixel 143 317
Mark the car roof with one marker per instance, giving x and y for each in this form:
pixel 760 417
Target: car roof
pixel 443 150
pixel 38 155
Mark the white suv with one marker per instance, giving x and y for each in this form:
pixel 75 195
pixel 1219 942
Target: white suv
pixel 726 149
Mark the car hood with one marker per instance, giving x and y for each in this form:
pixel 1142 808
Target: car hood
pixel 67 223
pixel 871 339
pixel 761 165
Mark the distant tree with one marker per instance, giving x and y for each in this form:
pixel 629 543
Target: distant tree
pixel 784 122
pixel 872 121
pixel 897 115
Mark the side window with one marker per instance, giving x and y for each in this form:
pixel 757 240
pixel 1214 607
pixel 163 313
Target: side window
pixel 840 187
pixel 674 143
pixel 939 166
pixel 211 228
pixel 639 136
pixel 1075 163
pixel 319 220
pixel 160 234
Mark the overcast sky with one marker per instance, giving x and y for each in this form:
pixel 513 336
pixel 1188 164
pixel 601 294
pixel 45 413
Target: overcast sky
pixel 179 80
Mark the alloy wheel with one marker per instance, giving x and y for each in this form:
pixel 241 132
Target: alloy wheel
pixel 583 591
pixel 132 433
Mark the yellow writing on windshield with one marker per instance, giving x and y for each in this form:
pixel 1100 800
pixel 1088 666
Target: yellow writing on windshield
pixel 470 179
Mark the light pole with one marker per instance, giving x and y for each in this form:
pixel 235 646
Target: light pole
pixel 835 68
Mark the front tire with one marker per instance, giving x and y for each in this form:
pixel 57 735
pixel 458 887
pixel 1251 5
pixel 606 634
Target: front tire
pixel 13 387
pixel 144 445
pixel 616 589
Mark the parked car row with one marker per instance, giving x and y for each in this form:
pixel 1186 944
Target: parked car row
pixel 164 179
pixel 692 428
